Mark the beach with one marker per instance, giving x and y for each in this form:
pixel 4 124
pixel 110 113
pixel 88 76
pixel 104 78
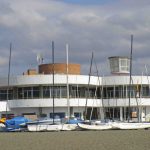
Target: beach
pixel 76 140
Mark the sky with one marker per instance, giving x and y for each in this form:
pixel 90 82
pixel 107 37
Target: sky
pixel 103 27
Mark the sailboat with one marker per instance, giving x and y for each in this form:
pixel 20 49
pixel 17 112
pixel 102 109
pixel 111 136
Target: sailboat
pixel 71 123
pixel 45 125
pixel 94 125
pixel 130 125
pixel 2 124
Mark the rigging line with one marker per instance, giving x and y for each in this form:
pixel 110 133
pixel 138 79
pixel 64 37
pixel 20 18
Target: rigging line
pixel 101 89
pixel 87 95
pixel 141 95
pixel 78 97
pixel 147 78
pixel 135 95
pixel 95 96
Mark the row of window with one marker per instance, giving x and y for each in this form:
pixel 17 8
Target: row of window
pixel 56 115
pixel 74 92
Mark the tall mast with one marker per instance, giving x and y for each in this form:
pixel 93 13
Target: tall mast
pixel 129 109
pixel 68 103
pixel 8 80
pixel 101 89
pixel 53 78
pixel 88 88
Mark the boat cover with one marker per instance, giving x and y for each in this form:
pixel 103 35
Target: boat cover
pixel 16 123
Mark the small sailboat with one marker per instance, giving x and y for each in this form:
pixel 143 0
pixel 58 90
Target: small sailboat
pixel 46 121
pixel 96 126
pixel 16 124
pixel 45 125
pixel 131 125
pixel 71 125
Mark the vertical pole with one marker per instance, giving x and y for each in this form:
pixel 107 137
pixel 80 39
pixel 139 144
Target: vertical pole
pixel 53 78
pixel 8 81
pixel 129 109
pixel 68 103
pixel 88 88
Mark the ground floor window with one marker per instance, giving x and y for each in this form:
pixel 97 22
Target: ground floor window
pixel 112 113
pixel 57 115
pixel 77 114
pixel 8 116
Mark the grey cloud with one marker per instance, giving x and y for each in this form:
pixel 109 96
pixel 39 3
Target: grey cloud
pixel 105 30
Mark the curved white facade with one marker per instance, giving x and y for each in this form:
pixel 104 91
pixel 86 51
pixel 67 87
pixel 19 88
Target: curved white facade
pixel 107 95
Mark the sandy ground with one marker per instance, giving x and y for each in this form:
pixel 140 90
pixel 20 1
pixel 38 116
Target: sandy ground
pixel 76 140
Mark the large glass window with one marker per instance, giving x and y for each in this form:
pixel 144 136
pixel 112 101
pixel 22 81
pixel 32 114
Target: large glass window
pixel 3 94
pixel 145 91
pixel 77 114
pixel 36 92
pixel 27 93
pixel 46 92
pixel 63 92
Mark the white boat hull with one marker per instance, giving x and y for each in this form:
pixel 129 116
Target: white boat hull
pixel 69 127
pixel 44 127
pixel 131 126
pixel 102 126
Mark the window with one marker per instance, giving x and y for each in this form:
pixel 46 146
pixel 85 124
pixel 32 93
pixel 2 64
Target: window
pixel 114 65
pixel 36 92
pixel 63 92
pixel 77 114
pixel 3 94
pixel 145 91
pixel 27 93
pixel 124 64
pixel 57 115
pixel 46 92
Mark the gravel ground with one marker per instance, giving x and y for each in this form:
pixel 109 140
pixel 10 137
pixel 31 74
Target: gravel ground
pixel 77 140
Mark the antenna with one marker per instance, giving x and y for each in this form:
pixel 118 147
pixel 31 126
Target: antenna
pixel 40 58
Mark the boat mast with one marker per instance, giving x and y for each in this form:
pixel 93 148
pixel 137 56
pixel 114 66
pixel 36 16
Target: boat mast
pixel 53 77
pixel 68 103
pixel 129 109
pixel 88 88
pixel 8 80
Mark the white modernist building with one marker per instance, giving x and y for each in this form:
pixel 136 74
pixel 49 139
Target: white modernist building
pixel 100 97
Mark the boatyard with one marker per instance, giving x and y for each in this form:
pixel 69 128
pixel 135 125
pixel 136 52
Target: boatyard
pixel 74 75
pixel 76 140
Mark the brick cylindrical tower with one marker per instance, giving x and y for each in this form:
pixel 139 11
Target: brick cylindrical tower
pixel 59 68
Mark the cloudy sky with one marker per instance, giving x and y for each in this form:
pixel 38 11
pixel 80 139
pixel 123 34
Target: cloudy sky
pixel 100 26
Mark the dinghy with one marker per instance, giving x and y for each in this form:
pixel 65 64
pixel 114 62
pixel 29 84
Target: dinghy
pixel 131 126
pixel 44 127
pixel 100 126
